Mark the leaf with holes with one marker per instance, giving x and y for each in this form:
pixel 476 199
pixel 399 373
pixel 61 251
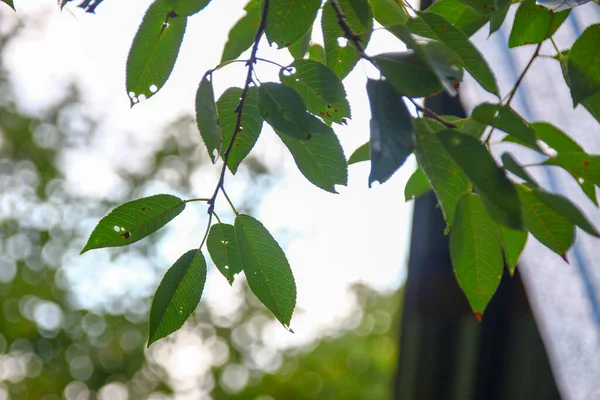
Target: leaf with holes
pixel 534 24
pixel 584 65
pixel 321 158
pixel 458 41
pixel 476 252
pixel 583 167
pixel 177 295
pixel 408 73
pixel 224 251
pixel 283 108
pixel 267 269
pixel 134 220
pixel 251 124
pixel 154 51
pixel 392 130
pixel 241 36
pixel 513 243
pixel 363 153
pixel 488 179
pixel 299 49
pixel 9 3
pixel 289 20
pixel 320 88
pixel 551 229
pixel 207 118
pixel 340 53
pixel 187 7
pixel 389 12
pixel 417 185
pixel 447 179
pixel 507 120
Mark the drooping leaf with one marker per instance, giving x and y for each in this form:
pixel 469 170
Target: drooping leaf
pixel 476 252
pixel 592 103
pixel 241 36
pixel 283 108
pixel 560 5
pixel 317 53
pixel 488 179
pixel 9 3
pixel 320 88
pixel 289 20
pixel 185 8
pixel 177 295
pixel 460 15
pixel 389 12
pixel 584 167
pixel 363 153
pixel 510 164
pixel 300 48
pixel 408 73
pixel 551 229
pixel 458 41
pixel 321 158
pixel 584 65
pixel 534 24
pixel 224 251
pixel 267 269
pixel 134 220
pixel 447 179
pixel 513 243
pixel 566 209
pixel 340 53
pixel 154 51
pixel 392 130
pixel 498 14
pixel 251 124
pixel 207 118
pixel 467 125
pixel 417 185
pixel 507 120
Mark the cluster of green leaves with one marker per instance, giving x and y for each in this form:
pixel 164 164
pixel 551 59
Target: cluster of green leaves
pixel 488 214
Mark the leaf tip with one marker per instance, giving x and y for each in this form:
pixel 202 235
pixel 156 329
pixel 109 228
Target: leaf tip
pixel 564 257
pixel 478 316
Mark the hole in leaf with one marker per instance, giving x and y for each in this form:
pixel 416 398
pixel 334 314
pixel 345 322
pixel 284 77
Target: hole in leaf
pixel 117 229
pixel 131 95
pixel 289 71
pixel 342 42
pixel 581 181
pixel 141 97
pixel 153 88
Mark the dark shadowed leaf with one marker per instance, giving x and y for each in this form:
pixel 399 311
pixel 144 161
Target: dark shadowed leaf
pixel 584 65
pixel 321 158
pixel 241 36
pixel 177 295
pixel 534 24
pixel 408 73
pixel 224 251
pixel 267 269
pixel 476 252
pixel 510 164
pixel 283 108
pixel 363 153
pixel 513 243
pixel 320 88
pixel 417 185
pixel 154 50
pixel 134 220
pixel 207 118
pixel 289 20
pixel 507 120
pixel 392 130
pixel 251 124
pixel 488 179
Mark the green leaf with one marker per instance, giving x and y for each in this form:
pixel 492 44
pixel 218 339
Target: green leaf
pixel 417 185
pixel 584 65
pixel 185 8
pixel 154 50
pixel 224 251
pixel 408 73
pixel 283 109
pixel 300 48
pixel 551 229
pixel 467 125
pixel 320 88
pixel 534 24
pixel 289 20
pixel 488 179
pixel 134 220
pixel 460 15
pixel 251 124
pixel 207 118
pixel 363 153
pixel 565 208
pixel 447 179
pixel 392 130
pixel 317 53
pixel 458 41
pixel 359 17
pixel 389 12
pixel 9 3
pixel 241 36
pixel 513 166
pixel 482 7
pixel 498 14
pixel 583 167
pixel 476 252
pixel 177 295
pixel 321 158
pixel 267 269
pixel 507 120
pixel 513 243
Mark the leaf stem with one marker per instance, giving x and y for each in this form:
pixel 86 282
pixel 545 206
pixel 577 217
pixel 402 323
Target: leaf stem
pixel 217 217
pixel 229 201
pixel 558 53
pixel 429 113
pixel 207 230
pixel 273 62
pixel 200 199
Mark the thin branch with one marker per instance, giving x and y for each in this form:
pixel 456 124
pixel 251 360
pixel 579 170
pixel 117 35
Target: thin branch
pixel 430 113
pixel 536 53
pixel 240 108
pixel 229 201
pixel 274 63
pixel 204 200
pixel 558 52
pixel 349 34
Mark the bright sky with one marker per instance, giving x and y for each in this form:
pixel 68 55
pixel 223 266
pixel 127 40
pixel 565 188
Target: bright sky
pixel 331 241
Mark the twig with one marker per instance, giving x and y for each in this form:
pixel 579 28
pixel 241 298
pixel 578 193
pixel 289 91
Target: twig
pixel 558 52
pixel 430 113
pixel 349 34
pixel 240 108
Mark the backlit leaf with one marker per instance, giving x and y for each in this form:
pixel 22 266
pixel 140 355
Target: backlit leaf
pixel 513 243
pixel 241 36
pixel 177 295
pixel 467 125
pixel 507 120
pixel 320 88
pixel 283 108
pixel 154 50
pixel 417 185
pixel 187 7
pixel 476 252
pixel 392 130
pixel 299 49
pixel 207 118
pixel 389 12
pixel 266 268
pixel 223 249
pixel 317 53
pixel 584 167
pixel 534 24
pixel 134 220
pixel 363 153
pixel 458 14
pixel 289 20
pixel 584 65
